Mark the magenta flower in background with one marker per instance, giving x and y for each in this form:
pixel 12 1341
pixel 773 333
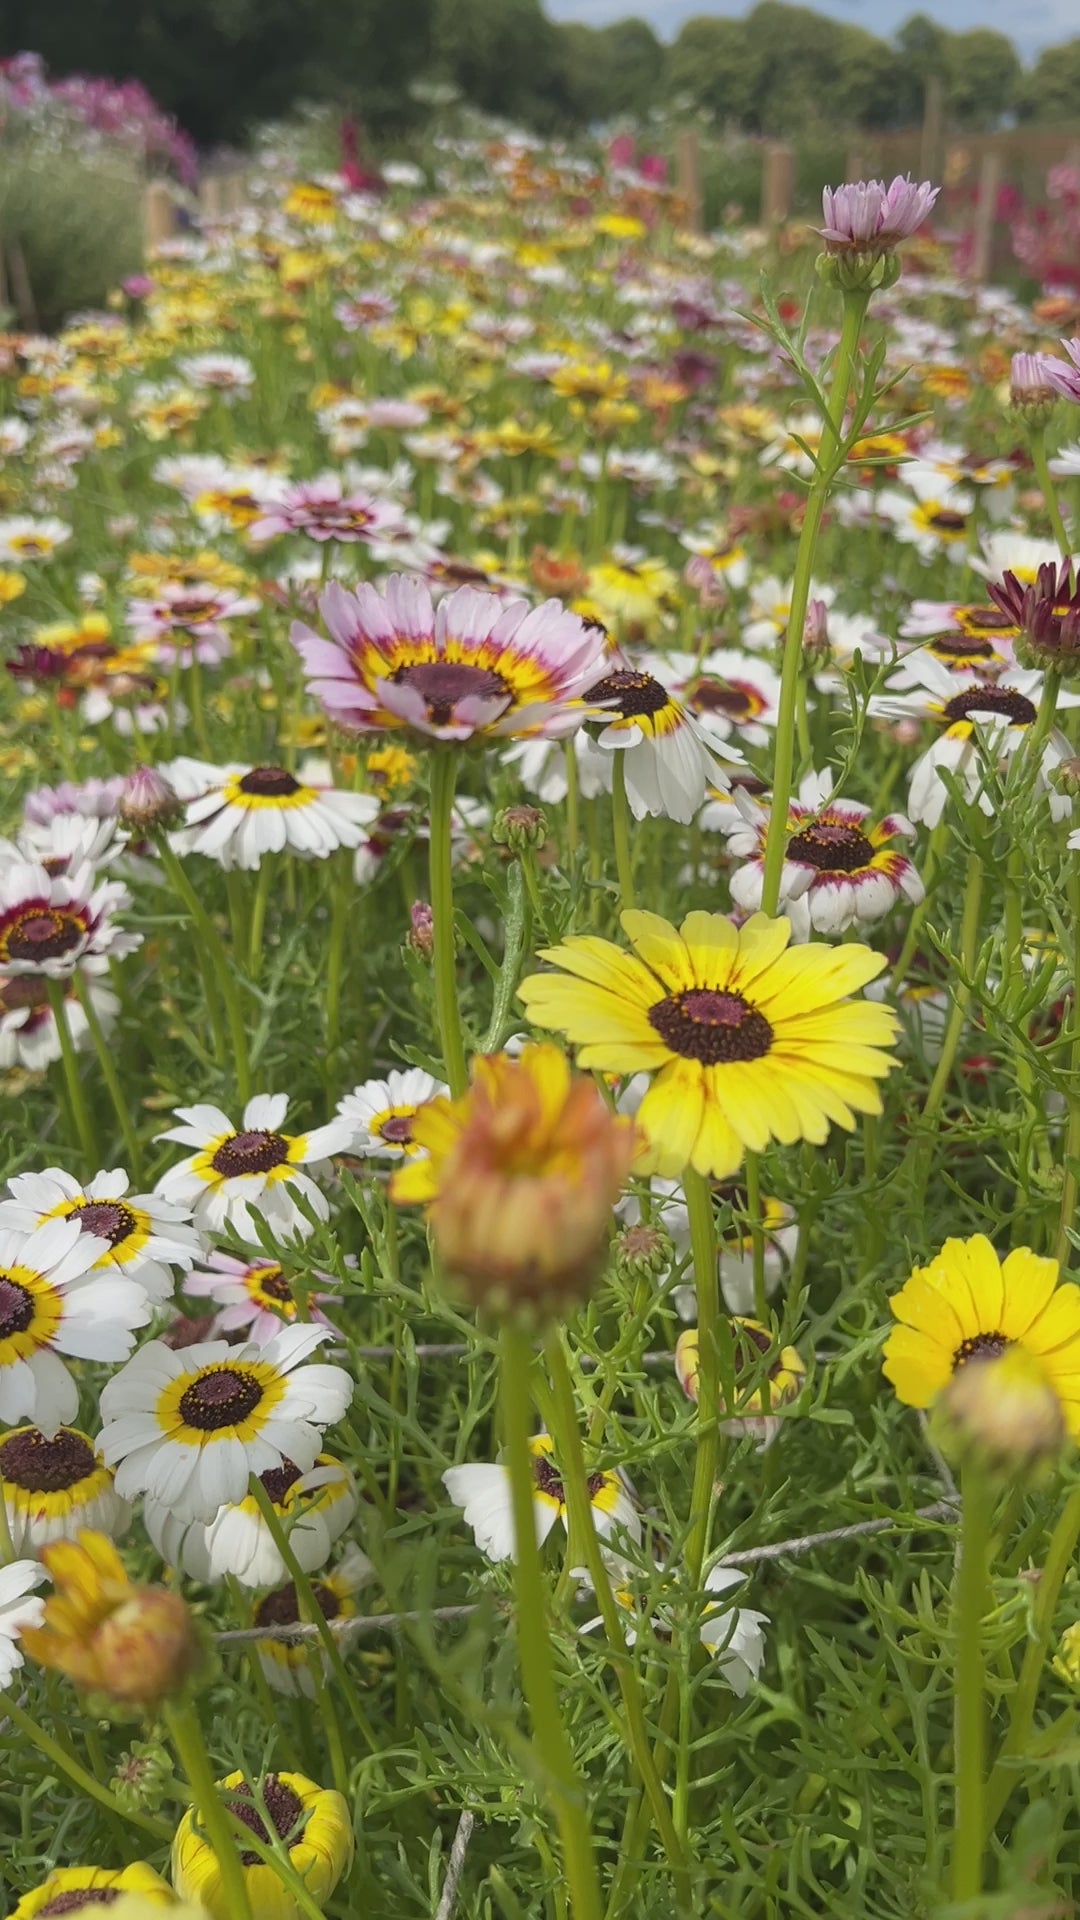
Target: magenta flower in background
pixel 321 510
pixel 1030 377
pixel 1065 378
pixel 866 216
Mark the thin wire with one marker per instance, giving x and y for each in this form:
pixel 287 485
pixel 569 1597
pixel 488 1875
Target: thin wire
pixel 457 1862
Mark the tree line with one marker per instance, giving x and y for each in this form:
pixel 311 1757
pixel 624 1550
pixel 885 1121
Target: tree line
pixel 220 65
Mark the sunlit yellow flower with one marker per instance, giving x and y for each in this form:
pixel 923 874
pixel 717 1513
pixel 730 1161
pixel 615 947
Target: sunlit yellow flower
pixel 389 769
pixel 588 380
pixel 520 1178
pixel 11 585
pixel 91 1890
pixel 969 1304
pixel 620 226
pixel 754 1040
pixel 320 1855
pixel 633 591
pixel 311 202
pixel 135 1643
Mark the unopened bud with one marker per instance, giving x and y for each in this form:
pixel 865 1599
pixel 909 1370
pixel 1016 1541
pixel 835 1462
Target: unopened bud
pixel 1067 1657
pixel 148 800
pixel 1030 392
pixel 1001 1412
pixel 700 574
pixel 815 637
pixel 142 1778
pixel 1066 776
pixel 147 1649
pixel 643 1252
pixel 519 828
pixel 421 934
pixel 564 577
pixel 857 272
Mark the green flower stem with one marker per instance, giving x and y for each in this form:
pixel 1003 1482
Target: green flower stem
pixel 443 763
pixel 198 710
pixel 757 1235
pixel 72 1082
pixel 185 1733
pixel 969 1609
pixel 65 1763
pixel 1049 491
pixel 310 1607
pixel 934 848
pixel 7 1544
pixel 713 1330
pixel 218 961
pixel 921 1149
pixel 1071 1155
pixel 573 804
pixel 1059 1558
pixel 561 1778
pixel 620 824
pixel 107 1062
pixel 855 305
pixel 258 915
pixel 563 1421
pixel 276 1857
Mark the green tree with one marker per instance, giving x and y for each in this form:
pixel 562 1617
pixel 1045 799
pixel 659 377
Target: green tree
pixel 505 55
pixel 1051 90
pixel 713 66
pixel 633 62
pixel 982 74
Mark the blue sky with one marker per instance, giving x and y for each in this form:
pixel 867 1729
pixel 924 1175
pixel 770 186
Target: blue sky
pixel 1038 24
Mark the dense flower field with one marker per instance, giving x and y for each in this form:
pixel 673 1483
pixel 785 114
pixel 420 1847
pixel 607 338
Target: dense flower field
pixel 538 933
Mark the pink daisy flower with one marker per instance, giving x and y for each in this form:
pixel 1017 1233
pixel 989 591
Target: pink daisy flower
pixel 321 510
pixel 253 1296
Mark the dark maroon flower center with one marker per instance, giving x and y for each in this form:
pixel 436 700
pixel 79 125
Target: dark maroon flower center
pixel 629 693
pixel 44 933
pixel 37 1465
pixel 721 696
pixel 340 519
pixel 222 1398
pixel 397 1130
pixel 831 848
pixel 272 1282
pixel 985 618
pixel 947 520
pixel 991 703
pixel 442 684
pixel 714 1028
pixel 282 1608
pixel 750 1346
pixel 549 1480
pixel 269 783
pixel 23 990
pixel 253 1152
pixel 961 646
pixel 16 1307
pixel 107 1218
pixel 77 1899
pixel 283 1806
pixel 278 1480
pixel 981 1346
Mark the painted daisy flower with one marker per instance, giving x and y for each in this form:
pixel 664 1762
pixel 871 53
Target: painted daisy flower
pixel 290 1666
pixel 254 1296
pixel 146 1237
pixel 735 1242
pixel 750 1042
pixel 229 374
pixel 970 1304
pixel 928 514
pixel 23 538
pixel 54 1486
pixel 314 1824
pixel 90 1890
pixel 381 1112
pixel 256 1166
pixel 752 1344
pixel 733 1635
pixel 28 1031
pixel 982 724
pixel 733 695
pixel 671 762
pixel 251 811
pixel 186 620
pixel 1006 551
pixel 189 1428
pixel 322 510
pixel 19 1608
pixel 474 667
pixel 838 872
pixel 52 924
pixel 975 621
pixel 484 1495
pixel 314 1508
pixel 52 1304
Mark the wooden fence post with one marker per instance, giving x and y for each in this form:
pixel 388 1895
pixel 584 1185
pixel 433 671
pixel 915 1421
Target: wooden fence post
pixel 985 216
pixel 932 127
pixel 157 215
pixel 688 178
pixel 235 192
pixel 22 293
pixel 211 196
pixel 777 181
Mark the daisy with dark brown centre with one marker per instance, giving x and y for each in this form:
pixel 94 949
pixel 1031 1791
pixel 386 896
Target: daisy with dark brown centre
pixel 290 1665
pixel 253 1166
pixel 732 695
pixel 484 1494
pixel 54 1485
pixel 255 1297
pixel 670 760
pixel 52 923
pixel 839 869
pixel 313 1823
pixel 90 1890
pixel 243 813
pixel 190 1427
pixel 314 1508
pixel 147 1238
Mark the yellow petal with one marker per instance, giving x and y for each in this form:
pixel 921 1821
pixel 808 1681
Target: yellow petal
pixel 713 945
pixel 585 1012
pixel 660 946
pixel 606 966
pixel 670 1116
pixel 1029 1283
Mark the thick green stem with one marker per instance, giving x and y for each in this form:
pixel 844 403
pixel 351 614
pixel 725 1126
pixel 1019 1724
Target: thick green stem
pixel 1049 491
pixel 65 1763
pixel 969 1609
pixel 568 1449
pixel 258 915
pixel 620 825
pixel 855 305
pixel 186 1736
pixel 69 1060
pixel 1059 1558
pixel 562 1781
pixel 448 1012
pixel 107 1063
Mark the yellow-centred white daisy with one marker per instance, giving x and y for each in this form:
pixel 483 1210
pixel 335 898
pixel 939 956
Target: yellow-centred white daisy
pixel 190 1427
pixel 19 1607
pixel 52 1306
pixel 314 1509
pixel 255 1165
pixel 146 1236
pixel 247 812
pixel 56 1485
pixel 381 1112
pixel 290 1666
pixel 483 1493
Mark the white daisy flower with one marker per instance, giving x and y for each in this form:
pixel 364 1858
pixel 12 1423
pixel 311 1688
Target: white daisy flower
pixel 670 761
pixel 28 1032
pixel 146 1237
pixel 314 1509
pixel 253 1166
pixel 484 1495
pixel 290 1668
pixel 541 766
pixel 733 1634
pixel 55 1486
pixel 68 840
pixel 250 811
pixel 1006 551
pixel 381 1112
pixel 24 537
pixel 229 374
pixel 51 1304
pixel 929 512
pixel 19 1608
pixel 189 1427
pixel 53 923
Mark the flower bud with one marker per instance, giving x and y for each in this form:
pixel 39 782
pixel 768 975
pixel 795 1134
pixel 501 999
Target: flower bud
pixel 141 1781
pixel 1067 1657
pixel 1002 1413
pixel 147 1650
pixel 519 828
pixel 1030 392
pixel 859 272
pixel 421 934
pixel 1066 776
pixel 815 637
pixel 148 800
pixel 136 1644
pixel 642 1252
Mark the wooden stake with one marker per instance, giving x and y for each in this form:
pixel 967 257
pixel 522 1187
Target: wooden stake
pixel 777 181
pixel 211 196
pixel 22 293
pixel 157 215
pixel 932 128
pixel 688 178
pixel 985 216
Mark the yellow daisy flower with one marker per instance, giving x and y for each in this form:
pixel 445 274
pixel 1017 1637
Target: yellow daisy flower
pixel 968 1304
pixel 751 1040
pixel 320 1854
pixel 93 1889
pixel 12 584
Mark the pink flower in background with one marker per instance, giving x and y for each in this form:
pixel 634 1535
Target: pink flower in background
pixel 869 217
pixel 1064 378
pixel 322 510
